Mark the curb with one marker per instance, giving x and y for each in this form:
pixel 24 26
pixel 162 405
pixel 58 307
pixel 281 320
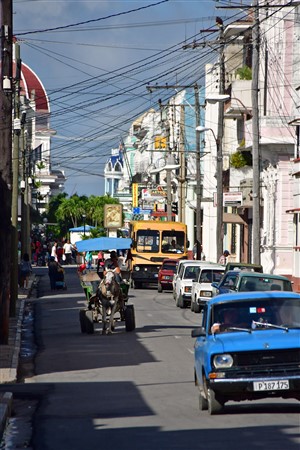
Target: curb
pixel 9 375
pixel 5 410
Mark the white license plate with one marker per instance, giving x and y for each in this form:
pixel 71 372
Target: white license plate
pixel 278 385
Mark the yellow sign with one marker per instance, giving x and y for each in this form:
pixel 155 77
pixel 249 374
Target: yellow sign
pixel 135 195
pixel 160 142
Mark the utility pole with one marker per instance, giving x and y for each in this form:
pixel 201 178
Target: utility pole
pixel 168 176
pixel 182 173
pixel 255 139
pixel 15 185
pixel 182 179
pixel 5 165
pixel 219 142
pixel 198 177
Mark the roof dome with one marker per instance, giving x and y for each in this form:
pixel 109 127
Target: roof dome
pixel 29 82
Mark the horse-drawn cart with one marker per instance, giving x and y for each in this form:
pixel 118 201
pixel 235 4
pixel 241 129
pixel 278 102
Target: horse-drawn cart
pixel 104 304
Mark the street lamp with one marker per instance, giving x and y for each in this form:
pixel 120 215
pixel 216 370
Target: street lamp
pixel 219 98
pixel 219 227
pixel 84 217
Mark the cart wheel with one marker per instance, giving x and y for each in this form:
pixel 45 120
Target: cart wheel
pixel 89 322
pixel 82 320
pixel 129 318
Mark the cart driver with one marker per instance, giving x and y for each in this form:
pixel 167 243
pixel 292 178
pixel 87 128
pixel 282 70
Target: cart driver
pixel 112 264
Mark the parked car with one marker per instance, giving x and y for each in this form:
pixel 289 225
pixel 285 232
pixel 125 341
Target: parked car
pixel 254 356
pixel 166 273
pixel 240 281
pixel 202 289
pixel 179 271
pixel 183 289
pixel 244 266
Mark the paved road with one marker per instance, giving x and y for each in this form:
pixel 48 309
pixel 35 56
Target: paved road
pixel 134 390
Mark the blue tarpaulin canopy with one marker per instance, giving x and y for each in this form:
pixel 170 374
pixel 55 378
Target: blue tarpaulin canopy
pixel 82 228
pixel 103 243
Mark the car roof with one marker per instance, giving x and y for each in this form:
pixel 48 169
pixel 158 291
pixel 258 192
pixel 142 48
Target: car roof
pixel 244 273
pixel 240 264
pixel 212 266
pixel 170 260
pixel 243 296
pixel 195 262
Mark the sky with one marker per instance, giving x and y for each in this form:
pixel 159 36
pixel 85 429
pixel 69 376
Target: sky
pixel 95 59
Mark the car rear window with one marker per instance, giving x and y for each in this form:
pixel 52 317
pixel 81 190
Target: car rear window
pixel 169 266
pixel 264 284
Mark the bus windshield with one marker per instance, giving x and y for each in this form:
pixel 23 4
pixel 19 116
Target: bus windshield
pixel 147 241
pixel 173 241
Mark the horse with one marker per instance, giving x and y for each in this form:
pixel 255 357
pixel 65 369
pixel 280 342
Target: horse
pixel 110 296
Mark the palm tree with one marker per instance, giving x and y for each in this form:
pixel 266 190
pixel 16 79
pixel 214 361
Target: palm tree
pixel 70 208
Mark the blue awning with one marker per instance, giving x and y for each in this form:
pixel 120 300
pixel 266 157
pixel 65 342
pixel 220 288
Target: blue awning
pixel 82 228
pixel 103 243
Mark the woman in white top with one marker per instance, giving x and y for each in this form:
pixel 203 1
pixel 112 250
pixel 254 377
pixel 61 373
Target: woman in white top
pixel 53 251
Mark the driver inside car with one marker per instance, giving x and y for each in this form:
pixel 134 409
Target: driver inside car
pixel 230 318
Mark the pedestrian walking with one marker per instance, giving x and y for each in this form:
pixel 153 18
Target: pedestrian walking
pixel 54 251
pixel 67 251
pixel 25 271
pixel 223 258
pixel 53 267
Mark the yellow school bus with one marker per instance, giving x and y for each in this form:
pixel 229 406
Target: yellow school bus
pixel 152 242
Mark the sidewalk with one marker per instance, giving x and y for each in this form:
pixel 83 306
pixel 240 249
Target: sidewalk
pixel 9 355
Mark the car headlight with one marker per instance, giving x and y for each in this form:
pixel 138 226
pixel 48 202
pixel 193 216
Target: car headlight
pixel 205 294
pixel 223 361
pixel 136 268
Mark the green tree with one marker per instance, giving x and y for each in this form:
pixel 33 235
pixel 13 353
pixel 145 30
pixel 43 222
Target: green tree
pixel 68 212
pixel 70 209
pixel 245 73
pixel 241 159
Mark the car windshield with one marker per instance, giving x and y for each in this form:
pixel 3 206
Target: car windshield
pixel 191 272
pixel 257 314
pixel 210 275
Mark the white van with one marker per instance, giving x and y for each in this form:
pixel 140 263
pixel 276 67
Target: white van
pixel 187 271
pixel 202 289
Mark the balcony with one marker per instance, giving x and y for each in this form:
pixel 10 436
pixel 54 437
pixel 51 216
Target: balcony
pixel 241 101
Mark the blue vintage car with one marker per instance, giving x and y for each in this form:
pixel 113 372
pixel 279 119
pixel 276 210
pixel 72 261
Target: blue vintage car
pixel 248 348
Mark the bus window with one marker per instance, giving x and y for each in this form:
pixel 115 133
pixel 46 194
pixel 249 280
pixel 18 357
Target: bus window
pixel 172 241
pixel 147 241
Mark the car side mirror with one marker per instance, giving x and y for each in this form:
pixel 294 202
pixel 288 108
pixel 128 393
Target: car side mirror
pixel 215 285
pixel 198 332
